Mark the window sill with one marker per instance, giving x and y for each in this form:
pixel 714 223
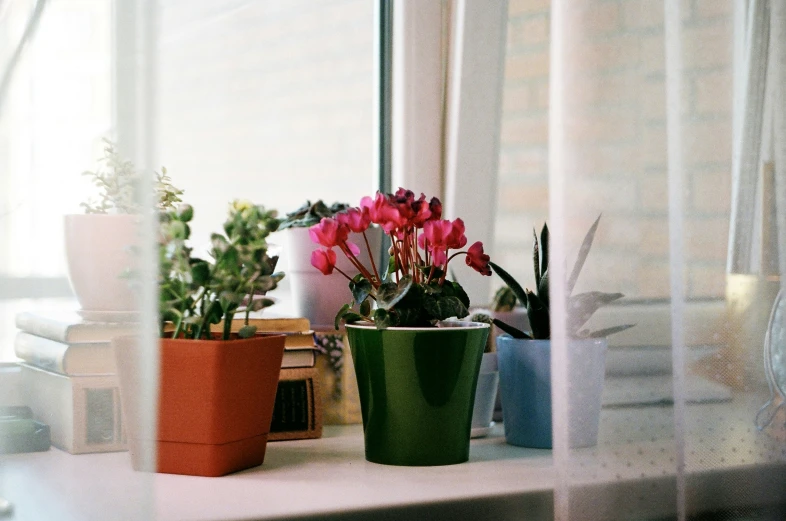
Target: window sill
pixel 630 475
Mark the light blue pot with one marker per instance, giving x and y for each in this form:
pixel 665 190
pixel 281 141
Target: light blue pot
pixel 525 388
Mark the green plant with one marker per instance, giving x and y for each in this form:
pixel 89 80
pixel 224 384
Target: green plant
pixel 504 299
pixel 580 307
pixel 310 214
pixel 197 293
pixel 119 186
pixel 486 319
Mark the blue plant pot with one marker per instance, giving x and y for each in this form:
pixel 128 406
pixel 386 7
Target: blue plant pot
pixel 525 389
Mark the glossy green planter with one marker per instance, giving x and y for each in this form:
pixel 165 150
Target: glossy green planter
pixel 417 391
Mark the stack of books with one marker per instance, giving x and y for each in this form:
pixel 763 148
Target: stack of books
pixel 297 413
pixel 69 381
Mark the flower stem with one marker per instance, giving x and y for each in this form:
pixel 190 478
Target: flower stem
pixel 371 256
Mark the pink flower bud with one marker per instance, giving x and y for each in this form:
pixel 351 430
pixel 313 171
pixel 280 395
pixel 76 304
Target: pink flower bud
pixel 324 260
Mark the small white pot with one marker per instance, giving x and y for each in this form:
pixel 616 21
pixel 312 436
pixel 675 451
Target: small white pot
pixel 485 396
pixel 316 296
pixel 98 252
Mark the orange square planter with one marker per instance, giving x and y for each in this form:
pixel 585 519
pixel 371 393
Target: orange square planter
pixel 215 402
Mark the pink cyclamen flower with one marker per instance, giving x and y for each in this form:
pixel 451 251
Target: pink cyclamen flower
pixel 356 219
pixel 477 260
pixel 456 239
pixel 324 260
pixel 437 232
pixel 383 211
pixel 329 232
pixel 421 210
pixel 435 207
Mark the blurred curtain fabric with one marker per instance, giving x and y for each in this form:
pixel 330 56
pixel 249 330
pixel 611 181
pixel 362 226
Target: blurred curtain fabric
pixel 749 105
pixel 778 71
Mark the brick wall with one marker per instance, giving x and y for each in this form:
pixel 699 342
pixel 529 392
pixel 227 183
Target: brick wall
pixel 616 158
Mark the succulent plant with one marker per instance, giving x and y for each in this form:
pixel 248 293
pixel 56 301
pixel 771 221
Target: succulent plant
pixel 119 186
pixel 310 214
pixel 580 306
pixel 504 299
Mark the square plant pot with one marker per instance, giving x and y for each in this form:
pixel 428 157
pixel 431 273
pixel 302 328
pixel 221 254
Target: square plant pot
pixel 215 403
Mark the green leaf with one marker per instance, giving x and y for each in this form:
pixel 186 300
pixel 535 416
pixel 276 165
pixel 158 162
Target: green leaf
pixel 365 308
pixel 384 319
pixel 247 331
pixel 536 257
pixel 538 315
pixel 389 294
pixel 341 312
pixel 543 288
pixel 461 294
pixel 582 306
pixel 361 288
pixel 512 331
pixel 410 317
pixel 200 272
pixel 582 256
pixel 508 279
pixel 351 317
pixel 260 303
pixel 544 250
pixel 442 307
pixel 603 333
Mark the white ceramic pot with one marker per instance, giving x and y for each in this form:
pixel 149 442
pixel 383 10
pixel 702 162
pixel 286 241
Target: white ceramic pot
pixel 98 251
pixel 316 296
pixel 485 396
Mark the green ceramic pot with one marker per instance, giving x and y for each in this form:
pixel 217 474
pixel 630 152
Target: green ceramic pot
pixel 417 390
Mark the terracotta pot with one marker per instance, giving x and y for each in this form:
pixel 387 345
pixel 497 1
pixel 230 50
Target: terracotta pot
pixel 98 251
pixel 215 402
pixel 316 296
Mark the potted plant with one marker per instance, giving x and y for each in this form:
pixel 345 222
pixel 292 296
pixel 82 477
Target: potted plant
pixel 216 388
pixel 98 242
pixel 416 370
pixel 316 296
pixel 525 358
pixel 488 385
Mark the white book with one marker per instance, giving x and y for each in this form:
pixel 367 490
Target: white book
pixel 68 327
pixel 298 358
pixel 70 359
pixel 83 412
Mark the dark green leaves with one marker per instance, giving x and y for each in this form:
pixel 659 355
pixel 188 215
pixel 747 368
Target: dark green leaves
pixel 361 288
pixel 347 315
pixel 512 331
pixel 511 282
pixel 389 294
pixel 310 214
pixel 539 320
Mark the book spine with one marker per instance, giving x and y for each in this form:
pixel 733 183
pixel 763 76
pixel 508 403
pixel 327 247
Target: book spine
pixel 297 412
pixel 40 352
pixel 39 326
pixel 83 413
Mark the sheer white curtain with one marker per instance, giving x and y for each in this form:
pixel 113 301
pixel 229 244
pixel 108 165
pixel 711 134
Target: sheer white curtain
pixel 641 131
